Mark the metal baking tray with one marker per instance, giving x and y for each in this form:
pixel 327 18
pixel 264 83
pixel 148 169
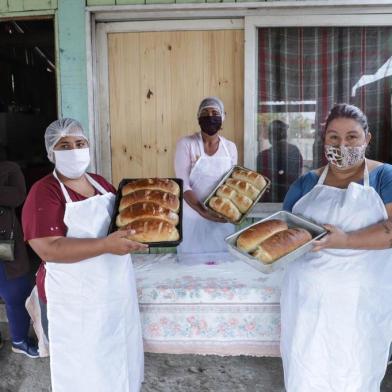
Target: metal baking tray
pixel 161 244
pixel 292 221
pixel 222 181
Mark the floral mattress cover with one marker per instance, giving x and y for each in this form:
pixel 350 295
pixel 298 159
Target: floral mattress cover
pixel 209 278
pixel 207 304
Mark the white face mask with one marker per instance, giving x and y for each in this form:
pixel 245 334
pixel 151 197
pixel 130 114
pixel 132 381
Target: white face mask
pixel 72 163
pixel 343 156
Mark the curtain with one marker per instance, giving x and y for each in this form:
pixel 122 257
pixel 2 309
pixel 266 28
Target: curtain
pixel 321 65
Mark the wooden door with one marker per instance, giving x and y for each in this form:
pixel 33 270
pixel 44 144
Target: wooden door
pixel 156 82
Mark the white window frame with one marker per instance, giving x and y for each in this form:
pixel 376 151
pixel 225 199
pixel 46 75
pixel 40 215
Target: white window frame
pixel 252 24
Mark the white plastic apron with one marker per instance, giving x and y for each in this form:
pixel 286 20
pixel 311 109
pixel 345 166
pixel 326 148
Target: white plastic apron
pixel 94 326
pixel 201 235
pixel 336 304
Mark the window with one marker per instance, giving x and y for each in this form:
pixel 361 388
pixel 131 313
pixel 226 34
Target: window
pixel 302 73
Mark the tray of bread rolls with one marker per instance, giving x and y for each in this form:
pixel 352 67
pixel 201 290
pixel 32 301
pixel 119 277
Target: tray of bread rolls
pixel 152 207
pixel 236 194
pixel 268 245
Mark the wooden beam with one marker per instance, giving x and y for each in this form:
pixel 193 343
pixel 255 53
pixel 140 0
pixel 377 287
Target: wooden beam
pixel 27 15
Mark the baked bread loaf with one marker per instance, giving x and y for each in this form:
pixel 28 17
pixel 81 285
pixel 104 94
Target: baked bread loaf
pixel 225 207
pixel 243 187
pixel 152 230
pixel 280 244
pixel 164 199
pixel 147 210
pixel 249 239
pixel 242 202
pixel 256 179
pixel 160 184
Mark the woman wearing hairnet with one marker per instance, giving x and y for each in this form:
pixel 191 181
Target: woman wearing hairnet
pixel 201 160
pixel 94 328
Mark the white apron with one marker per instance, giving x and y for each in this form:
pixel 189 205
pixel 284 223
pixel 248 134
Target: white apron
pixel 336 304
pixel 94 326
pixel 201 235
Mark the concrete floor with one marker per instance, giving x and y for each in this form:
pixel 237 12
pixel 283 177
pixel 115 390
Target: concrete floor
pixel 166 373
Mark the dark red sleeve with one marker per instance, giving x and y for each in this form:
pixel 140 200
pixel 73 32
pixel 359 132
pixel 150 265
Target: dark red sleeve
pixel 101 181
pixel 43 211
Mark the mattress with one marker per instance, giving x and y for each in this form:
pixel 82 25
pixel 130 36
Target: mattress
pixel 207 304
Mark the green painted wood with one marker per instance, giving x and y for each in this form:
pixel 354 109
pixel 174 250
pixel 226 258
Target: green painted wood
pixel 220 1
pixel 15 5
pixel 189 1
pixel 160 1
pixel 29 14
pixel 124 2
pixel 101 2
pixel 10 8
pixel 31 5
pixel 3 5
pixel 72 60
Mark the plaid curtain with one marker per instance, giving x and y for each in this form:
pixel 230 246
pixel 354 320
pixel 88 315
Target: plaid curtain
pixel 322 65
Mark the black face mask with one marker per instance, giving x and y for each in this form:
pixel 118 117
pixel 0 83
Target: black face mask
pixel 210 124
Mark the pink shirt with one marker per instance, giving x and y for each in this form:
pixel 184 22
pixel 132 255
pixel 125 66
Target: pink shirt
pixel 188 152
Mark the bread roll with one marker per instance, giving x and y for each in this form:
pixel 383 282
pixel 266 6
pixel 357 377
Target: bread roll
pixel 152 230
pixel 243 187
pixel 146 210
pixel 280 244
pixel 164 199
pixel 250 238
pixel 256 179
pixel 160 184
pixel 242 202
pixel 225 207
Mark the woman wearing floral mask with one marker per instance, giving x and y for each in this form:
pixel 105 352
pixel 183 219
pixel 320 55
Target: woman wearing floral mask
pixel 201 160
pixel 336 303
pixel 94 328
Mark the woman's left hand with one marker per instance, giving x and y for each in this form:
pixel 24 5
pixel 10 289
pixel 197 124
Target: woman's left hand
pixel 336 238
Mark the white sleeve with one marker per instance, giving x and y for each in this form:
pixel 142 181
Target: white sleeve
pixel 182 162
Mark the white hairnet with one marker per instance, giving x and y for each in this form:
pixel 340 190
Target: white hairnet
pixel 61 128
pixel 212 102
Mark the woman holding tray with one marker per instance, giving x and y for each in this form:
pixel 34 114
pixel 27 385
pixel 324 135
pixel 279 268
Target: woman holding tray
pixel 201 160
pixel 336 303
pixel 94 327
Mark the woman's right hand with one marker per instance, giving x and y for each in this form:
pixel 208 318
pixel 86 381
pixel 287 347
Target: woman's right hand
pixel 117 243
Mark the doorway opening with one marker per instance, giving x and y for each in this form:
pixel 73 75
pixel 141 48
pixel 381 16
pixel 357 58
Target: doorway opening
pixel 28 101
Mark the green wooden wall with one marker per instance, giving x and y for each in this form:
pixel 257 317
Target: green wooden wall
pixel 71 25
pixel 123 2
pixel 7 6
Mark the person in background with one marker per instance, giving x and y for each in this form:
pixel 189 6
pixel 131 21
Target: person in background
pixel 281 163
pixel 201 160
pixel 15 280
pixel 336 308
pixel 86 276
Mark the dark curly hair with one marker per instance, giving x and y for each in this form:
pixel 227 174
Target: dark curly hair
pixel 344 110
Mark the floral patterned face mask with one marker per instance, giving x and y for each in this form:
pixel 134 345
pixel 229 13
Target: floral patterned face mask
pixel 343 156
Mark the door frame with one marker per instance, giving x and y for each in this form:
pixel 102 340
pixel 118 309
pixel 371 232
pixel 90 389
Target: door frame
pixel 102 114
